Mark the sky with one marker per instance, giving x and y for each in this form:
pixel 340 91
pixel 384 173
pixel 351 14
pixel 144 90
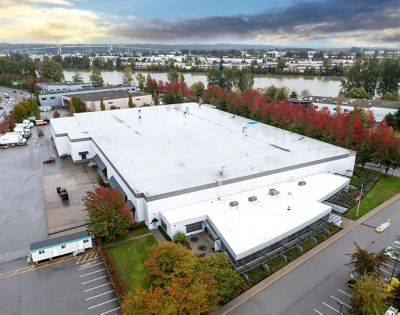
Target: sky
pixel 299 23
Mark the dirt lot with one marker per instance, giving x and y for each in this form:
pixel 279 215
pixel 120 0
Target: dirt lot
pixel 63 215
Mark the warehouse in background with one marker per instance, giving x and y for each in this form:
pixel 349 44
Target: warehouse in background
pixel 112 99
pixel 250 187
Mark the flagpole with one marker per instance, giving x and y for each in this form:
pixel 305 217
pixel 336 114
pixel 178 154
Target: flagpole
pixel 359 200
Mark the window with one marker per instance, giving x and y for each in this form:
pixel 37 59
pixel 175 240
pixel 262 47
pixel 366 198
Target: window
pixel 63 246
pixel 43 98
pixel 86 241
pixel 316 107
pixel 53 98
pixel 110 102
pixel 41 252
pixel 138 99
pixel 163 224
pixel 194 227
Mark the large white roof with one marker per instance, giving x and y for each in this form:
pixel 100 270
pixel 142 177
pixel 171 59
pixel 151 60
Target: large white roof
pixel 167 150
pixel 252 226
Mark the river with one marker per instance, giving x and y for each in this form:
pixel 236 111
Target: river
pixel 321 86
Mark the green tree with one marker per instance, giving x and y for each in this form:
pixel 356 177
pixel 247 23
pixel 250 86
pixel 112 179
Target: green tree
pixel 25 109
pixel 51 70
pixel 389 76
pixel 199 88
pixel 305 93
pixel 95 77
pixel 130 102
pixel 102 106
pixel 77 105
pixel 370 296
pixel 388 96
pixel 175 76
pixel 293 94
pixel 141 80
pixel 109 216
pixel 246 79
pixel 156 98
pixel 363 262
pixel 229 283
pixel 357 92
pixel 127 77
pixel 77 78
pixel 180 238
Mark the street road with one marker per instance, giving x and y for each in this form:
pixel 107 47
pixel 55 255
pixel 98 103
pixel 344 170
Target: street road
pixel 318 285
pixel 13 99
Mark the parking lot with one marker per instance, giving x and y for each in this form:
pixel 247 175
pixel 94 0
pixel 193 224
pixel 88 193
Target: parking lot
pixel 68 285
pixel 338 300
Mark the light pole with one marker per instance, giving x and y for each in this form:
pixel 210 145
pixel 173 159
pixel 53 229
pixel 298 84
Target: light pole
pixel 340 309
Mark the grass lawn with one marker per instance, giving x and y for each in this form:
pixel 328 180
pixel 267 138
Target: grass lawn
pixel 129 257
pixel 385 188
pixel 136 232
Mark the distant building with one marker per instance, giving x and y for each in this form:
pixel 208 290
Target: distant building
pixel 378 107
pixel 52 94
pixel 112 99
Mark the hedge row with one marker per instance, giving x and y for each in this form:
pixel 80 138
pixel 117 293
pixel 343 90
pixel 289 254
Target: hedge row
pixel 112 272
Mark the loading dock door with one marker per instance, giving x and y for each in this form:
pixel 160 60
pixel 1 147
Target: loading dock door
pixel 83 154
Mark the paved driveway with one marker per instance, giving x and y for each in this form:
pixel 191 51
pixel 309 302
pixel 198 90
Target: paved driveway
pixel 313 287
pixel 70 285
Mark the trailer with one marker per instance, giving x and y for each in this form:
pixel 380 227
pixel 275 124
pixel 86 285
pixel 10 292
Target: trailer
pixel 75 243
pixel 11 139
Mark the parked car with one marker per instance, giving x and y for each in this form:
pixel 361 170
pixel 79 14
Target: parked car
pixel 49 160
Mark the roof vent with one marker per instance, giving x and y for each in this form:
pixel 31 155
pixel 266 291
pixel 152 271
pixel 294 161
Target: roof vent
pixel 273 192
pixel 301 183
pixel 252 198
pixel 234 203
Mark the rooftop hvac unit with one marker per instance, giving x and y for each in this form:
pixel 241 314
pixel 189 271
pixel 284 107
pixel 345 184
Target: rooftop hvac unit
pixel 221 172
pixel 234 203
pixel 273 192
pixel 301 183
pixel 252 198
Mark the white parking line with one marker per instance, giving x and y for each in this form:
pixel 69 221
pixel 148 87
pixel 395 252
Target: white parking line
pixel 84 261
pixel 94 279
pixel 90 273
pixel 93 297
pixel 345 293
pixel 115 309
pixel 340 301
pixel 86 267
pixel 89 308
pixel 332 308
pixel 318 312
pixel 99 286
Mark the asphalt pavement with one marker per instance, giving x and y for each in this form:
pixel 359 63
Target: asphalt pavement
pixel 23 218
pixel 15 96
pixel 69 285
pixel 318 285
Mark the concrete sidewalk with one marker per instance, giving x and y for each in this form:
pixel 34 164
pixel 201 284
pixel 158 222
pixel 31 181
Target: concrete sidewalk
pixel 348 225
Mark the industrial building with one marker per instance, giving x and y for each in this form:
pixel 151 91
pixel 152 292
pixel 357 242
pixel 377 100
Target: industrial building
pixel 52 94
pixel 112 99
pixel 251 187
pixel 378 108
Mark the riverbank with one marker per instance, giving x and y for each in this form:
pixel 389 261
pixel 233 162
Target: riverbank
pixel 321 86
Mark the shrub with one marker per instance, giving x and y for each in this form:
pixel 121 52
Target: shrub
pixel 56 114
pixel 257 274
pixel 276 263
pixel 112 272
pixel 180 238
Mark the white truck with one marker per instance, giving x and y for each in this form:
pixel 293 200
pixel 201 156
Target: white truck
pixel 25 132
pixel 11 139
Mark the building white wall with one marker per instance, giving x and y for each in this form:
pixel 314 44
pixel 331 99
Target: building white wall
pixel 341 166
pixel 81 146
pixel 56 251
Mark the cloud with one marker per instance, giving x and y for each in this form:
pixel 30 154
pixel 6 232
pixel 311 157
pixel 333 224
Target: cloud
pixel 48 21
pixel 361 21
